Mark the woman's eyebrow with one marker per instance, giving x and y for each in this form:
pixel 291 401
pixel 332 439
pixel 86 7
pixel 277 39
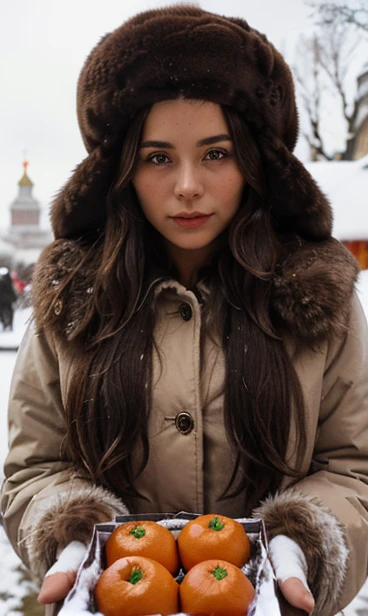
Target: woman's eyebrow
pixel 201 142
pixel 156 144
pixel 214 139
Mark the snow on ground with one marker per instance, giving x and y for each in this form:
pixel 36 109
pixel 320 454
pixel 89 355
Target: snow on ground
pixel 15 588
pixel 14 585
pixel 9 340
pixel 7 360
pixel 12 339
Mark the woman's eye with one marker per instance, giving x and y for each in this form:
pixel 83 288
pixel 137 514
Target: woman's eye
pixel 215 154
pixel 158 159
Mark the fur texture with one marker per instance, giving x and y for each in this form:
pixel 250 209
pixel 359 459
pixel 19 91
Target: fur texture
pixel 310 292
pixel 320 536
pixel 224 60
pixel 184 51
pixel 72 516
pixel 312 288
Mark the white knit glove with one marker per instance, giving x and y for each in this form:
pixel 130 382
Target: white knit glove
pixel 288 560
pixel 69 558
pixel 60 578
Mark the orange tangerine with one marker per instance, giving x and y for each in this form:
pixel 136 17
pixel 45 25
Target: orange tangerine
pixel 135 586
pixel 216 588
pixel 144 538
pixel 213 536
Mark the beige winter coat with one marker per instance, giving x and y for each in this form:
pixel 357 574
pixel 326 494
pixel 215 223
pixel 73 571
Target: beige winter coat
pixel 45 506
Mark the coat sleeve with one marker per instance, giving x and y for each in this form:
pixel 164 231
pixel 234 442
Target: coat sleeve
pixel 44 504
pixel 327 511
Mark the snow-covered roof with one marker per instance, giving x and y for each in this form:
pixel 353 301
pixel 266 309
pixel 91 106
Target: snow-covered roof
pixel 345 183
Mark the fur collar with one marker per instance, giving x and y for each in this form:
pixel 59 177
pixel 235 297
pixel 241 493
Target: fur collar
pixel 310 293
pixel 312 289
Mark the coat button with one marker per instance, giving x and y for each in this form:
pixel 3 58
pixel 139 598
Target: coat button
pixel 184 422
pixel 186 312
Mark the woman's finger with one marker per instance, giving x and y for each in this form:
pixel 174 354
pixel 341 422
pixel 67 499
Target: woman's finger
pixel 56 587
pixel 296 594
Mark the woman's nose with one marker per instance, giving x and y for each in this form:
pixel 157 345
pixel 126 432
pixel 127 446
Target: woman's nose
pixel 188 183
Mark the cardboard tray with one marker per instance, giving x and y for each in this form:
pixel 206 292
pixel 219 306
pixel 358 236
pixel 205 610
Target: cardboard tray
pixel 268 600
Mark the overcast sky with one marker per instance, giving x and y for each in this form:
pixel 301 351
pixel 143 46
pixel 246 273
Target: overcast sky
pixel 43 45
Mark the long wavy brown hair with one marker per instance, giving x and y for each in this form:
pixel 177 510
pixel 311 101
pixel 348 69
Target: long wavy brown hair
pixel 108 404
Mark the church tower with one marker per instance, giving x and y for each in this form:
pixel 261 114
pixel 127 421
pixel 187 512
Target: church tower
pixel 25 234
pixel 25 209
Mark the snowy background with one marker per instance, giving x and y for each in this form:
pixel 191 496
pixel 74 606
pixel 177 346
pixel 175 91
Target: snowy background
pixel 17 593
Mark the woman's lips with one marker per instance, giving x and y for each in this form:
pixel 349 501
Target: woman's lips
pixel 192 222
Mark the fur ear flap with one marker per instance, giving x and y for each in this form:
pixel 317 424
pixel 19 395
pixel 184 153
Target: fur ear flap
pixel 80 206
pixel 298 204
pixel 312 289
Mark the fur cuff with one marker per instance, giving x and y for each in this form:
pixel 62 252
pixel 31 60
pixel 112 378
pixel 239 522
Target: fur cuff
pixel 320 536
pixel 71 517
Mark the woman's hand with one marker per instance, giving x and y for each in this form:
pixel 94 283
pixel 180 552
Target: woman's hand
pixel 291 572
pixel 297 594
pixel 61 577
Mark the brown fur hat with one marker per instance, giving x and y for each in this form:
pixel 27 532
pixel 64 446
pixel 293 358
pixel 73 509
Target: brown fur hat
pixel 184 51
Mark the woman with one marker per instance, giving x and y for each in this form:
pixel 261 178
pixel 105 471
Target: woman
pixel 197 344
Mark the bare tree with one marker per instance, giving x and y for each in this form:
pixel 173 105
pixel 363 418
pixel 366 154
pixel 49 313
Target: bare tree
pixel 309 81
pixel 336 53
pixel 352 13
pixel 321 69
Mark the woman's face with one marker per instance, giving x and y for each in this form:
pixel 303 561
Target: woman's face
pixel 187 178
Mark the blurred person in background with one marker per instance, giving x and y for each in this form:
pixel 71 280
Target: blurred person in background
pixel 8 297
